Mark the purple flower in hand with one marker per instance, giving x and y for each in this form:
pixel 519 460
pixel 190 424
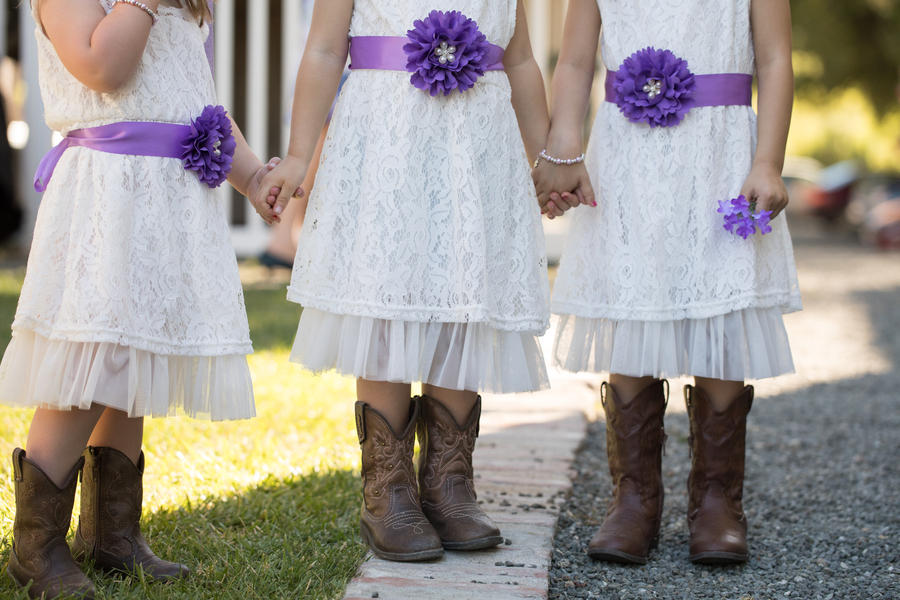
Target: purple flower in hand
pixel 762 219
pixel 741 219
pixel 446 52
pixel 655 87
pixel 209 149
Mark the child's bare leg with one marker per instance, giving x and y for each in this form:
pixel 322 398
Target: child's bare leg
pixel 626 387
pixel 391 400
pixel 116 430
pixel 57 439
pixel 459 403
pixel 719 391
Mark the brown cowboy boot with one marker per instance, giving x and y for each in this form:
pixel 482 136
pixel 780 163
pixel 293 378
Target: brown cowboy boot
pixel 391 520
pixel 109 528
pixel 446 479
pixel 716 483
pixel 634 445
pixel 39 552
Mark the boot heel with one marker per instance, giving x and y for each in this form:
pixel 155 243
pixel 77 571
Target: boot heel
pixel 654 543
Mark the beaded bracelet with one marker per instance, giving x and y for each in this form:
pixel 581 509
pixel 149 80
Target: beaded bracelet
pixel 142 6
pixel 557 161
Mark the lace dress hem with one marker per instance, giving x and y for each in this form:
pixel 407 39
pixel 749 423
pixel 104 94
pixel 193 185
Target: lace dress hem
pixel 423 314
pixel 163 347
pixel 786 302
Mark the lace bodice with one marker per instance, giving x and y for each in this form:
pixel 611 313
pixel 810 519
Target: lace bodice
pixel 711 37
pixel 496 19
pixel 169 85
pixel 654 249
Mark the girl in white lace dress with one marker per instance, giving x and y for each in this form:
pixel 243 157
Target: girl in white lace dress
pixel 651 284
pixel 132 304
pixel 421 257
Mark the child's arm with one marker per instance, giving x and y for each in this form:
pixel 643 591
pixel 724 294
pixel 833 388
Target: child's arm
pixel 571 92
pixel 528 97
pixel 247 172
pixel 101 51
pixel 770 21
pixel 317 83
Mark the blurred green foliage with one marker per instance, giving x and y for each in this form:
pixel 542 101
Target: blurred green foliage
pixel 849 44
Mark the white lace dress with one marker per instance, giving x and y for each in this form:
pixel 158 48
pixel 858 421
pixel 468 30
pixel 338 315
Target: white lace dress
pixel 422 255
pixel 132 297
pixel 650 283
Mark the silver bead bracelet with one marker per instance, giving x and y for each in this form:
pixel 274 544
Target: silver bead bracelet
pixel 140 5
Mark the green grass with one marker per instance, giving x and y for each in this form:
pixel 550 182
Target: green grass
pixel 264 508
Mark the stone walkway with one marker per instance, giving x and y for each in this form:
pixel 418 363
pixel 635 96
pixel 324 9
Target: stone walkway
pixel 522 469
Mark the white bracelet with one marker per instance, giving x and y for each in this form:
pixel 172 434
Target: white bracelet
pixel 557 161
pixel 142 6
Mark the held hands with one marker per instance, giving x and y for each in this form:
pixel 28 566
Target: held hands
pixel 764 184
pixel 265 204
pixel 270 198
pixel 549 178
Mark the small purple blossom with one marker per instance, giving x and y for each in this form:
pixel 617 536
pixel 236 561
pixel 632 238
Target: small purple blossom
pixel 209 149
pixel 741 219
pixel 655 87
pixel 446 52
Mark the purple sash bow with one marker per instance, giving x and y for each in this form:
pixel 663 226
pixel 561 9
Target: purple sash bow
pixel 137 138
pixel 386 53
pixel 724 89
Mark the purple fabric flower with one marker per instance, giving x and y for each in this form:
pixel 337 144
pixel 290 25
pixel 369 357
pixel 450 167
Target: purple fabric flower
pixel 741 218
pixel 446 52
pixel 655 87
pixel 209 149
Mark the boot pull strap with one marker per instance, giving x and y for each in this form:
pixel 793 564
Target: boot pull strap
pixel 666 402
pixel 18 454
pixel 361 422
pixel 687 404
pixel 603 387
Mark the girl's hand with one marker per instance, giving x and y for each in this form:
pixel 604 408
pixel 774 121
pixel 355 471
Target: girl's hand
pixel 265 211
pixel 574 182
pixel 765 185
pixel 270 197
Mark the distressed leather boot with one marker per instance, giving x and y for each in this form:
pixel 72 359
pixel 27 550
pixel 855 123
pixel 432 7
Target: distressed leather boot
pixel 109 528
pixel 391 520
pixel 446 478
pixel 716 483
pixel 39 552
pixel 634 445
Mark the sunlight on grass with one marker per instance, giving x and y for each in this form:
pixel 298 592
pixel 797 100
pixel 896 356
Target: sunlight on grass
pixel 263 508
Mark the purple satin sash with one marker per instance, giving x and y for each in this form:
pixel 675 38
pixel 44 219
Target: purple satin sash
pixel 724 89
pixel 386 53
pixel 137 138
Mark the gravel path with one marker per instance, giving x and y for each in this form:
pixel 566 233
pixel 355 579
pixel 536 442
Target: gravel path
pixel 822 494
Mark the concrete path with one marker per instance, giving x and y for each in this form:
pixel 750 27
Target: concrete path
pixel 522 470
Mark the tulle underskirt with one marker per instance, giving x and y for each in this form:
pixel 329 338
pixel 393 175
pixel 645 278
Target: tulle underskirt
pixel 38 372
pixel 743 345
pixel 459 356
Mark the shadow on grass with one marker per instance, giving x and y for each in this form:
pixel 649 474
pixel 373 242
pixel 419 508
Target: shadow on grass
pixel 286 538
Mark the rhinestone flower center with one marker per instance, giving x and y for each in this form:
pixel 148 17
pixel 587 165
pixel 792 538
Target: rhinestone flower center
pixel 445 53
pixel 216 146
pixel 653 88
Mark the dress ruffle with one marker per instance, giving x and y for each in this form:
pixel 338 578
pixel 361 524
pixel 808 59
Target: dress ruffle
pixel 459 356
pixel 37 372
pixel 742 345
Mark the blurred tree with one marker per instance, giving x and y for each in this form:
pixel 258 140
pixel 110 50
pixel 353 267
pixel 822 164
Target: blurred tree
pixel 845 43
